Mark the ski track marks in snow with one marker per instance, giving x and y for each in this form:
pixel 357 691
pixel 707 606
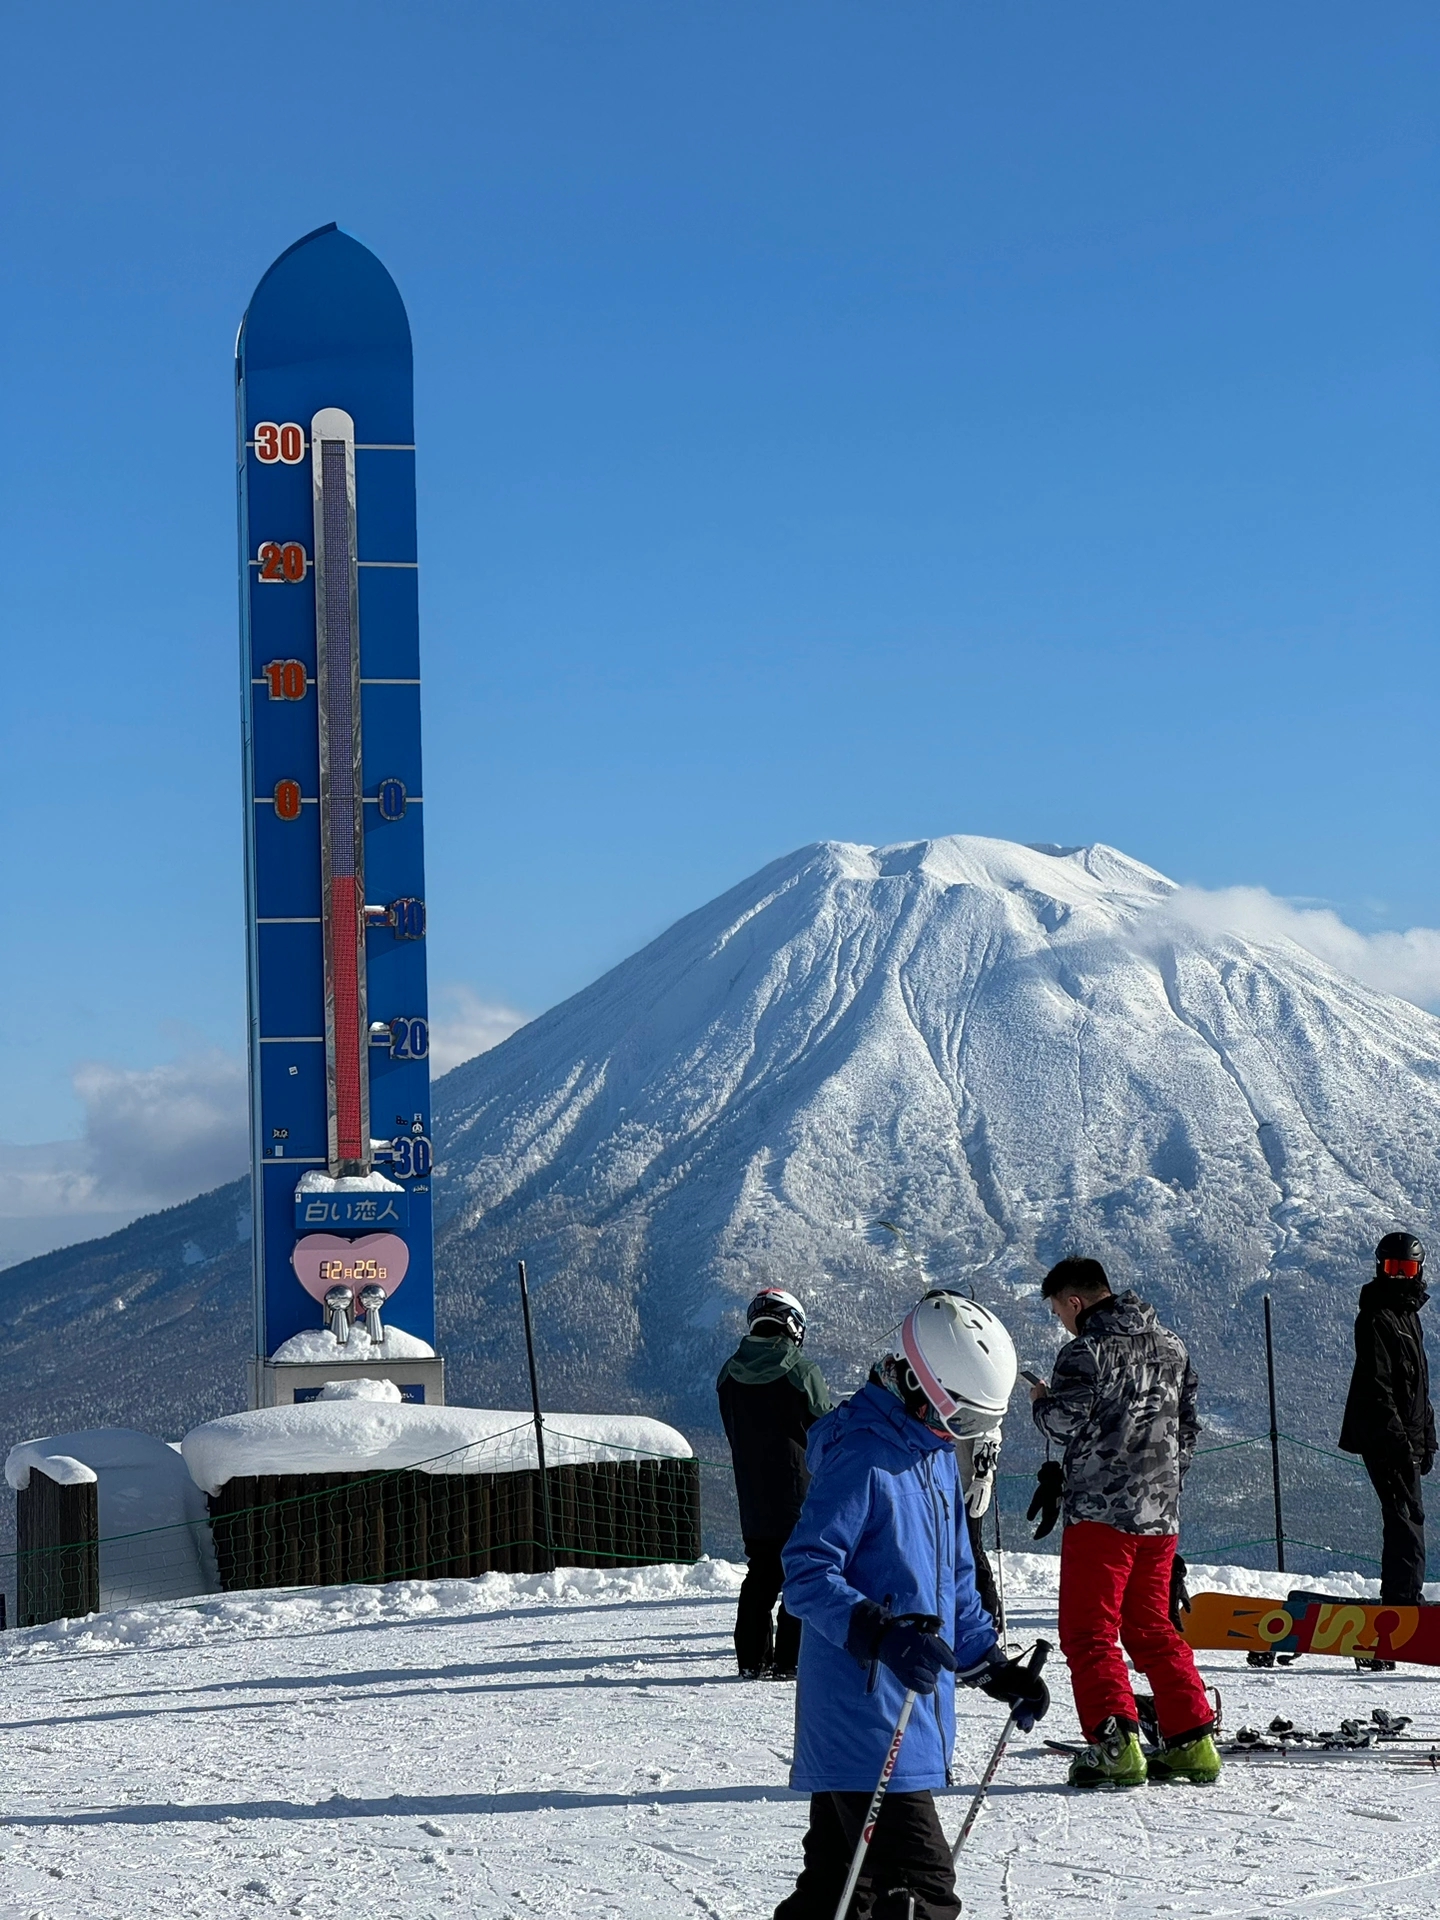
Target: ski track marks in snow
pixel 577 1745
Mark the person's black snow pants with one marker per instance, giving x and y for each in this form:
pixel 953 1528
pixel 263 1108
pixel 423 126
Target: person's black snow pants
pixel 759 1644
pixel 1396 1480
pixel 907 1875
pixel 984 1578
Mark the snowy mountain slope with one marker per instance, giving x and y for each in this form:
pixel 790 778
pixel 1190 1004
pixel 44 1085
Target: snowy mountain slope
pixel 1013 1052
pixel 149 1327
pixel 577 1745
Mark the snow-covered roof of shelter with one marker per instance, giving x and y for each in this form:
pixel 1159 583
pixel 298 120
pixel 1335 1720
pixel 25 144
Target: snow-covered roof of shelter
pixel 154 1537
pixel 47 1457
pixel 368 1436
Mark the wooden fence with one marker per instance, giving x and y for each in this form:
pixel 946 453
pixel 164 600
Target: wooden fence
pixel 326 1529
pixel 57 1539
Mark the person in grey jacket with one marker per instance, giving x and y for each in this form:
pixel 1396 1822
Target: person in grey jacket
pixel 1121 1401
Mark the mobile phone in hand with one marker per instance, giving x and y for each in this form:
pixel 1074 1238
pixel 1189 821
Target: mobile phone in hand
pixel 1034 1378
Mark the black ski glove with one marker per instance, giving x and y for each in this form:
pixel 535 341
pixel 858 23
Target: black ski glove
pixel 1045 1501
pixel 1179 1594
pixel 907 1645
pixel 1023 1691
pixel 915 1657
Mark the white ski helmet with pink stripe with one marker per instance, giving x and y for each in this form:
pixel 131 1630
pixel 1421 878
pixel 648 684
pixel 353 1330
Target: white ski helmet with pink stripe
pixel 963 1360
pixel 773 1306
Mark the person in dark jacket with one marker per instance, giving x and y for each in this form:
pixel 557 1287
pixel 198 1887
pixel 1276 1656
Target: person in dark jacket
pixel 770 1397
pixel 1121 1401
pixel 1389 1420
pixel 879 1570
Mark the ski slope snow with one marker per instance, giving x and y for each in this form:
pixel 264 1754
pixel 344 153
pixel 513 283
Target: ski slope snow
pixel 578 1745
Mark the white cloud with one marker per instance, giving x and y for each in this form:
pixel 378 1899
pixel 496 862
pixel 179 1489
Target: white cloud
pixel 1405 964
pixel 164 1133
pixel 153 1135
pixel 156 1135
pixel 462 1025
pixel 49 1177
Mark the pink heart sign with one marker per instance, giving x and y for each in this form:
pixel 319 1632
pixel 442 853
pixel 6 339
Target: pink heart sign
pixel 325 1260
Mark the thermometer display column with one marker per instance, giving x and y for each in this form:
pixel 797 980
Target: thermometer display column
pixel 333 792
pixel 342 835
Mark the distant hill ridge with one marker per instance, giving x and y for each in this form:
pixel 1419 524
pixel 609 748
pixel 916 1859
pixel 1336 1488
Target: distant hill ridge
pixel 1012 1051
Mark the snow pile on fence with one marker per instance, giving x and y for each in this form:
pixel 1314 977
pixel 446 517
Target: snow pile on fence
pixel 44 1456
pixel 154 1525
pixel 370 1436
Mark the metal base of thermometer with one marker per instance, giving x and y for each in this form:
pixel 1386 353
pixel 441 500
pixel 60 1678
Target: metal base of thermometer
pixel 280 1383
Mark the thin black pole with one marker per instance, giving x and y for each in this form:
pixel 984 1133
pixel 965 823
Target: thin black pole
pixel 539 1425
pixel 999 1559
pixel 1274 1441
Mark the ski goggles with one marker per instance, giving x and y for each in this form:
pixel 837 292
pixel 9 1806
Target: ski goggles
pixel 1401 1269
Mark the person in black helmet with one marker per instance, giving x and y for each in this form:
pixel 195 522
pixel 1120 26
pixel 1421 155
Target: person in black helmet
pixel 770 1397
pixel 1389 1420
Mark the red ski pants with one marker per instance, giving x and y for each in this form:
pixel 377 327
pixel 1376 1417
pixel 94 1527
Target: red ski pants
pixel 1115 1587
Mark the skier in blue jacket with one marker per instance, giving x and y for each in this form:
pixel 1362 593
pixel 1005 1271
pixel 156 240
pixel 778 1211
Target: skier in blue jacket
pixel 880 1573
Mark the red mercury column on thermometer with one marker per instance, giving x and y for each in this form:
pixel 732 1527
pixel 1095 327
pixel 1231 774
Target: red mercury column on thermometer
pixel 342 847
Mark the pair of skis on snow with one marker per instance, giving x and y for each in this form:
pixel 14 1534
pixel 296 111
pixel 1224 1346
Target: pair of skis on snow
pixel 1382 1738
pixel 1288 1754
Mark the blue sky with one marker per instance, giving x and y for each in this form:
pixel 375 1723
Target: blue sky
pixel 834 421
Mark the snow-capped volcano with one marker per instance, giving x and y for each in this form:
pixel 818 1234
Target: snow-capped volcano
pixel 1011 1052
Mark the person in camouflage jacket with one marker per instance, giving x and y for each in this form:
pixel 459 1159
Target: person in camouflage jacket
pixel 1122 1404
pixel 1121 1401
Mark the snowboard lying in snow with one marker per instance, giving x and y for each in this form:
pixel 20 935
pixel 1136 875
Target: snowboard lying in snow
pixel 1314 1623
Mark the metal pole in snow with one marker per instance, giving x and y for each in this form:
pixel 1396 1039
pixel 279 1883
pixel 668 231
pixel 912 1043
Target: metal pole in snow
pixel 1274 1441
pixel 1038 1657
pixel 539 1425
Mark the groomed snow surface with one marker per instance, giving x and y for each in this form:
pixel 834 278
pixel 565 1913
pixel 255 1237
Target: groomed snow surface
pixel 578 1745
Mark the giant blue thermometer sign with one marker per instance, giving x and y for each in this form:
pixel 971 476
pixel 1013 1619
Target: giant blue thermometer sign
pixel 339 1034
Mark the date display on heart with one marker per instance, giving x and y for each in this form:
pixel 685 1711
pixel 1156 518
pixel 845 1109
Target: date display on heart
pixel 324 1260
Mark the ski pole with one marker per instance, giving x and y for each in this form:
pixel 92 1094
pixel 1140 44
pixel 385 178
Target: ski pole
pixel 873 1812
pixel 1033 1665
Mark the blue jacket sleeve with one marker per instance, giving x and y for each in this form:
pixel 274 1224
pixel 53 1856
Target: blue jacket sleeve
pixel 836 1509
pixel 974 1635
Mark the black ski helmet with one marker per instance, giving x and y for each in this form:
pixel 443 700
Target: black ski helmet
pixel 1399 1254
